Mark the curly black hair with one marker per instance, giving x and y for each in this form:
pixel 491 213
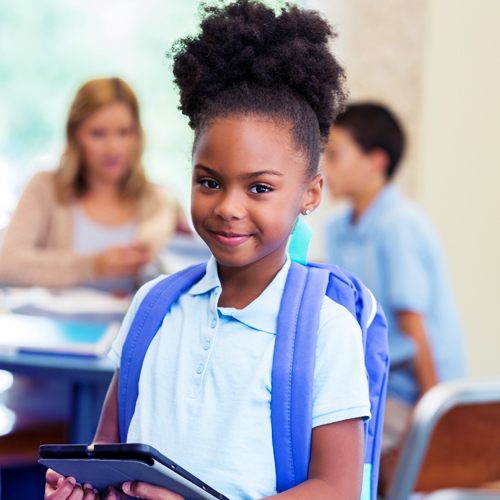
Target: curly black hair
pixel 248 60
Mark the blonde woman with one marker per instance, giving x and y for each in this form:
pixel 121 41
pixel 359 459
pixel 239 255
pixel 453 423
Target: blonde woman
pixel 96 219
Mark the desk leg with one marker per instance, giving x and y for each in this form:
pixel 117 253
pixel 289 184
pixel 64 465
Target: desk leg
pixel 86 405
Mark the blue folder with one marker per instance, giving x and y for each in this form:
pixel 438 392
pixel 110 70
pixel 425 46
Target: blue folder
pixel 21 333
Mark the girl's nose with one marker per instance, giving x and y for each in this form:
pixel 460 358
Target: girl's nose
pixel 230 207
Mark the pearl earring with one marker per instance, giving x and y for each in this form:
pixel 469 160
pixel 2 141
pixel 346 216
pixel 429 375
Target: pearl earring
pixel 307 212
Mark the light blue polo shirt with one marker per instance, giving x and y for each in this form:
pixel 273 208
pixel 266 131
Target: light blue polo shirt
pixel 205 386
pixel 396 252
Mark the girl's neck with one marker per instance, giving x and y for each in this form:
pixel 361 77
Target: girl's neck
pixel 363 200
pixel 242 285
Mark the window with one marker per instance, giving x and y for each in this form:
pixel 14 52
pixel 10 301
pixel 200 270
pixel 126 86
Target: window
pixel 51 47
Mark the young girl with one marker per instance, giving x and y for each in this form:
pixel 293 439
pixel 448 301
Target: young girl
pixel 260 91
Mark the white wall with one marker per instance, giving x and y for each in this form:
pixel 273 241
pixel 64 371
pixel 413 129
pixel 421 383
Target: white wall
pixel 437 64
pixel 459 164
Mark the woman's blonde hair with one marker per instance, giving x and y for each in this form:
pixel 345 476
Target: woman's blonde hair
pixel 70 176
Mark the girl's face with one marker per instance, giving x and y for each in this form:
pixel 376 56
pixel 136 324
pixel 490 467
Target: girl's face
pixel 108 139
pixel 249 186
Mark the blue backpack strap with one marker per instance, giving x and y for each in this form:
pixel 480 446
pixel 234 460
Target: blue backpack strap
pixel 373 323
pixel 347 290
pixel 145 325
pixel 377 367
pixel 293 373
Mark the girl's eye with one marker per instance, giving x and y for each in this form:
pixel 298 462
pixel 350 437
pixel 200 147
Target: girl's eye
pixel 260 189
pixel 209 183
pixel 97 133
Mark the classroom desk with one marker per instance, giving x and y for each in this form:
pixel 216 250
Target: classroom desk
pixel 89 379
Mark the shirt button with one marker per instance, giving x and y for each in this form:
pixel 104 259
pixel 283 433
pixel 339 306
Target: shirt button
pixel 200 369
pixel 207 345
pixel 214 322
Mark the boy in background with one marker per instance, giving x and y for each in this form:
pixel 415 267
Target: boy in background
pixel 387 241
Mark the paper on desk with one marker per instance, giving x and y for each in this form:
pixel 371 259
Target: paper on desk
pixel 70 301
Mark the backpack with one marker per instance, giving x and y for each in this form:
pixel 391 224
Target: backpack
pixel 293 362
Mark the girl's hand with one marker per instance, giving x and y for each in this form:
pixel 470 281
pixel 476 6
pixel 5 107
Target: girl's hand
pixel 139 489
pixel 58 487
pixel 114 494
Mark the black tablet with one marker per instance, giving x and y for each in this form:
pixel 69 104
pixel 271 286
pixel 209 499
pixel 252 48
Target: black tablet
pixel 104 465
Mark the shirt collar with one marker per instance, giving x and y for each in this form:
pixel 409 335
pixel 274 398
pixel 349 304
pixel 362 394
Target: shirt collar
pixel 262 313
pixel 209 281
pixel 385 198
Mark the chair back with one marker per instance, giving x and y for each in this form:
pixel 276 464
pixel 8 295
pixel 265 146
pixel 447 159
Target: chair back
pixel 453 439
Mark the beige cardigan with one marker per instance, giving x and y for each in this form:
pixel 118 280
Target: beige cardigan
pixel 36 248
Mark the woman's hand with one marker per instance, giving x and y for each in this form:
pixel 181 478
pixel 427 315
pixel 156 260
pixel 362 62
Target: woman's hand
pixel 139 489
pixel 121 261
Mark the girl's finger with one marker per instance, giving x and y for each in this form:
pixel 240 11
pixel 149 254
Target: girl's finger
pixel 88 492
pixel 114 494
pixel 77 493
pixel 62 491
pixel 52 477
pixel 138 489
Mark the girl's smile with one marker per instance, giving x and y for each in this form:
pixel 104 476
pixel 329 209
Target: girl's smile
pixel 230 239
pixel 249 186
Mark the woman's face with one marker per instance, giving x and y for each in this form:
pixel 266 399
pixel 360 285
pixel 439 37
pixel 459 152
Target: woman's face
pixel 249 186
pixel 108 139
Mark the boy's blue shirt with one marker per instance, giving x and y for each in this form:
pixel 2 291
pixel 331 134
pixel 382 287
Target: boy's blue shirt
pixel 396 252
pixel 205 388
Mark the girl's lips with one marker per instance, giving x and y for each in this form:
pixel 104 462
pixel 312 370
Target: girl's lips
pixel 230 239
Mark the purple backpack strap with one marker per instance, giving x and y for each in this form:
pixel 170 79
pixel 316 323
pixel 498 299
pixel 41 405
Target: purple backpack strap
pixel 145 325
pixel 293 373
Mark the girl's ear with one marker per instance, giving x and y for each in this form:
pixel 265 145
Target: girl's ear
pixel 312 195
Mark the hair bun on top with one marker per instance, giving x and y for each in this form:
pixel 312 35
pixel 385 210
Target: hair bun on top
pixel 247 44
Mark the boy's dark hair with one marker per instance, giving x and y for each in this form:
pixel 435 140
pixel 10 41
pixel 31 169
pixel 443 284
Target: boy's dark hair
pixel 373 126
pixel 247 60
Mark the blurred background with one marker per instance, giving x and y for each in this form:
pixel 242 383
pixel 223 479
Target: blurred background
pixel 433 62
pixel 48 49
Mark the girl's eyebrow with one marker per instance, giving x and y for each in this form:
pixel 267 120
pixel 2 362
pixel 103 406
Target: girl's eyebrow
pixel 250 175
pixel 207 170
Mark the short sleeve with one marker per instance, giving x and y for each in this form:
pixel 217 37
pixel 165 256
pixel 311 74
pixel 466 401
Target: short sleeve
pixel 408 283
pixel 340 384
pixel 116 348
